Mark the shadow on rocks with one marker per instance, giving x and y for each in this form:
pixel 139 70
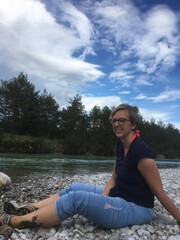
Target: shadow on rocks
pixel 5 232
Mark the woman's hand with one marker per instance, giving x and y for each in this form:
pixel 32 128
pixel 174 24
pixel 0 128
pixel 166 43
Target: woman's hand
pixel 109 184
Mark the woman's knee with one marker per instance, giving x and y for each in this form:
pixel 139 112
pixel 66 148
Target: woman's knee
pixel 76 186
pixel 70 188
pixel 74 202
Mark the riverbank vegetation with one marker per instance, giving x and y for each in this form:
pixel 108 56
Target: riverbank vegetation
pixel 33 122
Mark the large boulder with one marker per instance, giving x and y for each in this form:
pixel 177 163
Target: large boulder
pixel 5 180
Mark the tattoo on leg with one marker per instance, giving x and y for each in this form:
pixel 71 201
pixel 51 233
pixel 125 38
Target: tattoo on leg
pixel 30 224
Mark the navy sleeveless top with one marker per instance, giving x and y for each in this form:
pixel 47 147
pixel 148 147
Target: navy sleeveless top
pixel 130 184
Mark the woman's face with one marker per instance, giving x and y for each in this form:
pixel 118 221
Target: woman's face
pixel 121 124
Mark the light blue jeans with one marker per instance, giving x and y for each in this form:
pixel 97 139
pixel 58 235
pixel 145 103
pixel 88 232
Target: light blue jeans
pixel 107 212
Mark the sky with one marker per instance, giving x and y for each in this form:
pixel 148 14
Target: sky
pixel 107 51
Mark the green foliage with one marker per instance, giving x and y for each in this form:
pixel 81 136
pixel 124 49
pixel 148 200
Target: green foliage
pixel 73 127
pixel 73 118
pixel 31 122
pixel 19 105
pixel 24 144
pixel 48 115
pixel 24 111
pixel 101 137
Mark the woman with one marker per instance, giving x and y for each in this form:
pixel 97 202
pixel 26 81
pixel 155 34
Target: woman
pixel 128 197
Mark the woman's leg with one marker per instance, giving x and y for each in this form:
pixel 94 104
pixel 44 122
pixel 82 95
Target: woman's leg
pixel 78 186
pixel 73 187
pixel 107 212
pixel 46 201
pixel 46 215
pixel 43 217
pixel 14 209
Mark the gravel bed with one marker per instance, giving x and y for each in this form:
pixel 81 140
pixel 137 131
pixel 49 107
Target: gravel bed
pixel 35 188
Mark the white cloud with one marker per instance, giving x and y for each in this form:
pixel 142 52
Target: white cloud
pixel 113 16
pixel 121 76
pixel 149 114
pixel 151 38
pixel 60 46
pixel 143 81
pixel 124 92
pixel 169 95
pixel 140 96
pixel 34 42
pixel 158 47
pixel 78 22
pixel 109 101
pixel 161 114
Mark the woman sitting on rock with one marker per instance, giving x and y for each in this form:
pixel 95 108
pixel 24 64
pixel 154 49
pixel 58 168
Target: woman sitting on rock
pixel 127 199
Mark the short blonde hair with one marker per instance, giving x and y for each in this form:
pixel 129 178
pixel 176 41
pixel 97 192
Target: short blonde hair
pixel 133 111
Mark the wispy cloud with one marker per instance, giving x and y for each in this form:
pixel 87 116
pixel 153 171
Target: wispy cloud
pixel 124 92
pixel 158 47
pixel 154 114
pixel 91 101
pixel 34 42
pixel 151 39
pixel 143 81
pixel 54 43
pixel 169 95
pixel 121 76
pixel 70 46
pixel 140 96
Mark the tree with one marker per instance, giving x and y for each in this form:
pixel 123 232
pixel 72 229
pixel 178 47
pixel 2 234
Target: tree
pixel 24 111
pixel 95 122
pixel 101 136
pixel 48 115
pixel 19 105
pixel 73 118
pixel 73 126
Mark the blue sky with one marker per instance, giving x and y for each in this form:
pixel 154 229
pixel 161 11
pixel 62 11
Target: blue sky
pixel 109 52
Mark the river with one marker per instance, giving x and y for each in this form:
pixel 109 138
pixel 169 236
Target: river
pixel 19 166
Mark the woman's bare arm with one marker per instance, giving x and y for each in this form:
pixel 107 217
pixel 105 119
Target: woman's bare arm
pixel 150 172
pixel 109 184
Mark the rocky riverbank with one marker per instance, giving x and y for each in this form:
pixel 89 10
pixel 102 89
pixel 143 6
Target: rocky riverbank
pixel 35 188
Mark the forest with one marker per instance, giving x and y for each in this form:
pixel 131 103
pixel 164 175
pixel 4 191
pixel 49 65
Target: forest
pixel 33 122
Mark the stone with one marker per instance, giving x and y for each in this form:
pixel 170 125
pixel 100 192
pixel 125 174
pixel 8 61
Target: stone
pixel 150 229
pixel 14 236
pixel 143 233
pixel 174 237
pixel 5 180
pixel 64 233
pixel 76 227
pixel 5 230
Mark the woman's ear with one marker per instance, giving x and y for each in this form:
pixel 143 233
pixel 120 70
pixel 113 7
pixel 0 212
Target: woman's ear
pixel 134 127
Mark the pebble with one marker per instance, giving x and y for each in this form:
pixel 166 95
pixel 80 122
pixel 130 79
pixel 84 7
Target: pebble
pixel 34 188
pixel 5 180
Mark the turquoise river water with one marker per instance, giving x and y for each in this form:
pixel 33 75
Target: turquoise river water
pixel 17 166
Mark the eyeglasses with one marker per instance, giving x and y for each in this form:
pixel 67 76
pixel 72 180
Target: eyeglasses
pixel 119 120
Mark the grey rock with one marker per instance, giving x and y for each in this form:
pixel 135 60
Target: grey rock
pixel 163 227
pixel 5 180
pixel 5 231
pixel 143 233
pixel 2 237
pixel 174 237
